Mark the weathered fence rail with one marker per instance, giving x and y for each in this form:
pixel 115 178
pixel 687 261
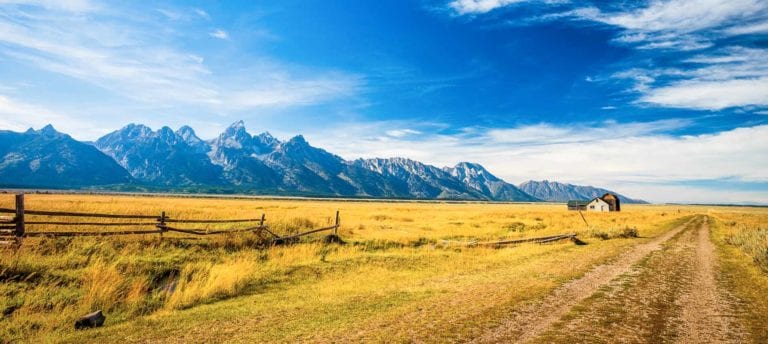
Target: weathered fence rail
pixel 15 229
pixel 71 214
pixel 540 240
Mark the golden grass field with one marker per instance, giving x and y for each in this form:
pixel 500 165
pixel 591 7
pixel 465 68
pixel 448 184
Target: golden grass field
pixel 393 281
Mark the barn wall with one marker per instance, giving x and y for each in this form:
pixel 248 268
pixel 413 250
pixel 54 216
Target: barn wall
pixel 599 205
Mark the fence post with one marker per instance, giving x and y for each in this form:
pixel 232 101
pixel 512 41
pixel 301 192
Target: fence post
pixel 261 223
pixel 19 215
pixel 583 218
pixel 161 225
pixel 336 227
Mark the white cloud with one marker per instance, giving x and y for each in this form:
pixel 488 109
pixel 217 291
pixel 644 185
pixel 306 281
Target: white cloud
pixel 282 90
pixel 398 133
pixel 746 29
pixel 681 16
pixel 19 116
pixel 220 34
pixel 133 58
pixel 711 95
pixel 732 77
pixel 683 25
pixel 479 6
pixel 74 6
pixel 729 77
pixel 201 13
pixel 546 134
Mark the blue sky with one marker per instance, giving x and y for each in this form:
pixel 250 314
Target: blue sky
pixel 665 100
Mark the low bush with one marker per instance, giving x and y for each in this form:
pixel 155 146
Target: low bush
pixel 753 242
pixel 624 233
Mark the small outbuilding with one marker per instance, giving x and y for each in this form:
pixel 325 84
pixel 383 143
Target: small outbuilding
pixel 577 205
pixel 598 204
pixel 607 202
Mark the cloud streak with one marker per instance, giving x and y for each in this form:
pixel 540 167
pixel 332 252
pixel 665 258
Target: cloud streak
pixel 220 34
pixel 480 6
pixel 729 77
pixel 18 115
pixel 131 56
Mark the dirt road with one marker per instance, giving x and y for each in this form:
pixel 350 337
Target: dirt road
pixel 662 291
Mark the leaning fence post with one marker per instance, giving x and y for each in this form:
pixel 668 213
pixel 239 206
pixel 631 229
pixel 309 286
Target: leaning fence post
pixel 261 222
pixel 583 218
pixel 336 227
pixel 19 215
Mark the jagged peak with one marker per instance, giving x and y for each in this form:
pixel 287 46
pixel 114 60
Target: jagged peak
pixel 266 138
pixel 184 129
pixel 48 128
pixel 167 134
pixel 236 129
pixel 188 134
pixel 135 126
pixel 133 130
pixel 298 139
pixel 396 160
pixel 467 170
pixel 470 166
pixel 238 125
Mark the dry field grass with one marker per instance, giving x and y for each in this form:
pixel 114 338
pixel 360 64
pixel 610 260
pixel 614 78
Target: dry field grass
pixel 393 280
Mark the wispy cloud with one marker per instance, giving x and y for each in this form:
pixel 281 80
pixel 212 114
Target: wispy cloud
pixel 656 23
pixel 201 13
pixel 220 34
pixel 711 95
pixel 277 89
pixel 680 16
pixel 398 133
pixel 716 78
pixel 130 55
pixel 547 134
pixel 479 6
pixel 678 24
pixel 72 6
pixel 18 115
pixel 729 77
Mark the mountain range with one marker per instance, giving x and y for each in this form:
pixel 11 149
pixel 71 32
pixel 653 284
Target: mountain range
pixel 560 192
pixel 136 157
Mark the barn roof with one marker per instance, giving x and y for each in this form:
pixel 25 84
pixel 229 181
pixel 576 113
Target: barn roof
pixel 577 203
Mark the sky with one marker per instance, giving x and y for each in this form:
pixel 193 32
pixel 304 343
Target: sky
pixel 661 100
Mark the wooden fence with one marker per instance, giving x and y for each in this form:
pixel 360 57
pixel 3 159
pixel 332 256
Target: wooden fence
pixel 13 229
pixel 539 240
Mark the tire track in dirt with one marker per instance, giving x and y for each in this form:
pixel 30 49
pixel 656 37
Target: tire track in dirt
pixel 533 319
pixel 672 296
pixel 707 312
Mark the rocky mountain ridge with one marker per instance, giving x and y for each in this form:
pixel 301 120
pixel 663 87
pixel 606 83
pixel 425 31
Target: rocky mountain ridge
pixel 235 160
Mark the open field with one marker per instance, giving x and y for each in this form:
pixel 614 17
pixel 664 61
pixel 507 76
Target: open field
pixel 400 277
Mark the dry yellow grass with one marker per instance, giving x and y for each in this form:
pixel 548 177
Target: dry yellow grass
pixel 390 275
